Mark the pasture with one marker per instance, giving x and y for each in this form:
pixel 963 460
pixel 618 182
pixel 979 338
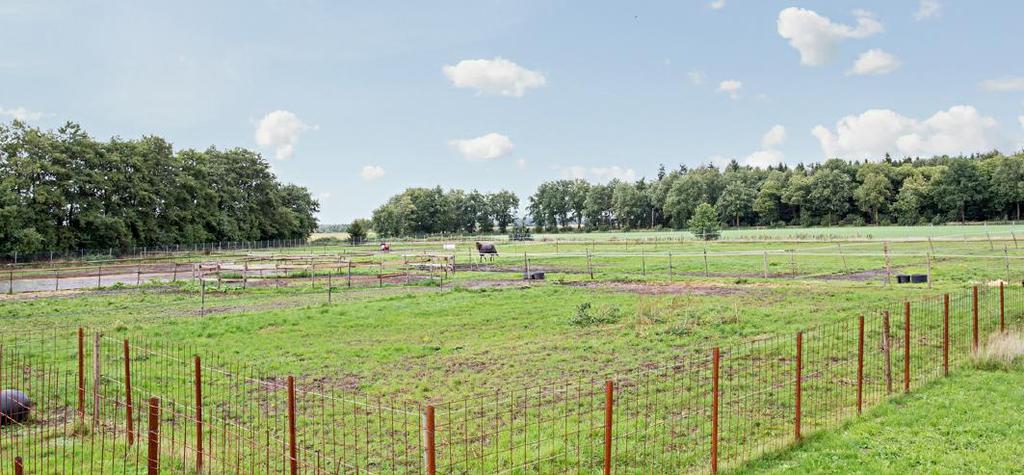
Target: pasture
pixel 514 371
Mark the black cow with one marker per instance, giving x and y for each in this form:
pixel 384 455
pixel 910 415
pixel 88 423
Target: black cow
pixel 486 249
pixel 14 406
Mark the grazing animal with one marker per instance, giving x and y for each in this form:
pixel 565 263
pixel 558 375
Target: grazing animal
pixel 385 247
pixel 486 249
pixel 14 406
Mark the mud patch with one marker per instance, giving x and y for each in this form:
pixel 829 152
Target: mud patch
pixel 662 288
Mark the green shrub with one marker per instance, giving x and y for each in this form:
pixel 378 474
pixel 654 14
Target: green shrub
pixel 587 315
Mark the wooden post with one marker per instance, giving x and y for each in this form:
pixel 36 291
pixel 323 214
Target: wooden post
pixel 765 264
pixel 860 365
pixel 906 347
pixel 609 401
pixel 974 321
pixel 671 276
pixel 81 374
pixel 1014 236
pixel 705 262
pixel 292 446
pixel 99 276
pixel 792 261
pixel 245 274
pixel 846 268
pixel 19 466
pixel 799 383
pixel 715 361
pixel 945 335
pixel 202 297
pixel 931 247
pixel 888 268
pixel 138 275
pixel 199 414
pixel 97 378
pixel 1002 309
pixel 428 445
pixel 153 456
pixel 643 263
pixel 526 267
pixel 887 349
pixel 349 274
pixel 1006 258
pixel 330 286
pixel 128 407
pixel 928 256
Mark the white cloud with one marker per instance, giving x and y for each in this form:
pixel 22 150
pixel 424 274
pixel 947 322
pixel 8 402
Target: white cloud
pixel 696 77
pixel 816 37
pixel 22 114
pixel 872 134
pixel 600 174
pixel 874 62
pixel 280 130
pixel 371 172
pixel 1005 84
pixel 717 4
pixel 324 196
pixel 493 76
pixel 732 87
pixel 486 147
pixel 928 9
pixel 774 137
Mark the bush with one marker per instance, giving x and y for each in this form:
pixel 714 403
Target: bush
pixel 586 315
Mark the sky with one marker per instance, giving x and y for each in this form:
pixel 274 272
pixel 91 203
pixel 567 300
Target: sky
pixel 359 100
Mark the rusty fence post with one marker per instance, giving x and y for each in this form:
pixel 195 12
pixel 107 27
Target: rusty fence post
pixel 97 377
pixel 153 456
pixel 1002 309
pixel 609 402
pixel 799 384
pixel 292 456
pixel 945 335
pixel 974 320
pixel 860 365
pixel 81 374
pixel 716 357
pixel 128 407
pixel 199 414
pixel 428 440
pixel 906 347
pixel 887 349
pixel 19 466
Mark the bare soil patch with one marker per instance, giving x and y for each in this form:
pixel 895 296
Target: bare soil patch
pixel 663 288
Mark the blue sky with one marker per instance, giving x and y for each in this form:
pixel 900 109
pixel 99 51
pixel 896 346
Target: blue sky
pixel 353 100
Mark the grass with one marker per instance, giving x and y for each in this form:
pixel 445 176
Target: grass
pixel 971 422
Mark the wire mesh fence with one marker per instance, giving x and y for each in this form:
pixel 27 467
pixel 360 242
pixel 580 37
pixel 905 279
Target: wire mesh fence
pixel 90 403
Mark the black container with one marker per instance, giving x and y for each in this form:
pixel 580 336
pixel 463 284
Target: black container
pixel 536 275
pixel 902 279
pixel 919 278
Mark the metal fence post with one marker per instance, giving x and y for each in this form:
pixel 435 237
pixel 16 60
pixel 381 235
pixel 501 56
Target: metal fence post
pixel 292 456
pixel 906 347
pixel 153 456
pixel 609 406
pixel 97 377
pixel 974 319
pixel 945 335
pixel 860 365
pixel 199 414
pixel 715 361
pixel 799 383
pixel 128 407
pixel 428 443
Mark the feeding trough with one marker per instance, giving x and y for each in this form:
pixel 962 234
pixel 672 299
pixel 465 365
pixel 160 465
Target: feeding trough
pixel 14 406
pixel 919 278
pixel 902 279
pixel 536 275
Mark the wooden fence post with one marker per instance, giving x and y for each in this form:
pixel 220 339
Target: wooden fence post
pixel 765 262
pixel 887 349
pixel 428 444
pixel 799 384
pixel 705 262
pixel 81 374
pixel 860 365
pixel 945 335
pixel 97 377
pixel 19 466
pixel 609 406
pixel 715 361
pixel 128 407
pixel 292 445
pixel 974 319
pixel 153 456
pixel 199 414
pixel 1002 309
pixel 906 347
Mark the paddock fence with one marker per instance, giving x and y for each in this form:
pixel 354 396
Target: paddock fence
pixel 101 404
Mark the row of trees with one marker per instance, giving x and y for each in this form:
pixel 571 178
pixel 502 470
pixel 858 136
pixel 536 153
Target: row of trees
pixel 934 190
pixel 63 190
pixel 418 211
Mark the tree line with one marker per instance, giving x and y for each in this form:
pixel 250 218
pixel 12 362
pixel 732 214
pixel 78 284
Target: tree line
pixel 63 190
pixel 420 211
pixel 835 192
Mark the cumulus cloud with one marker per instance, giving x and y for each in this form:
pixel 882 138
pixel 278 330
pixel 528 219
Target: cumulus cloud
pixel 280 130
pixel 717 4
pixel 817 38
pixel 493 76
pixel 731 87
pixel 769 153
pixel 600 174
pixel 874 62
pixel 371 172
pixel 774 137
pixel 875 132
pixel 1004 84
pixel 928 9
pixel 22 114
pixel 696 77
pixel 486 147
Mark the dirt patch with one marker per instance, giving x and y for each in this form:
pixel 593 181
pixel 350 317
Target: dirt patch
pixel 496 284
pixel 861 276
pixel 662 288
